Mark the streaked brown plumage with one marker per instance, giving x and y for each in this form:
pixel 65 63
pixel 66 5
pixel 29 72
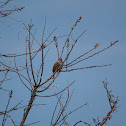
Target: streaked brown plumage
pixel 57 66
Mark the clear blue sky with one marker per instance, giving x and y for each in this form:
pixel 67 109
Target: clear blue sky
pixel 105 22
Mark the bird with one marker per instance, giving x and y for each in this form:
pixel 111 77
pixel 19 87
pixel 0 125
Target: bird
pixel 57 66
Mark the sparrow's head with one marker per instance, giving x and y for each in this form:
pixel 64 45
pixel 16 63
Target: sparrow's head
pixel 60 59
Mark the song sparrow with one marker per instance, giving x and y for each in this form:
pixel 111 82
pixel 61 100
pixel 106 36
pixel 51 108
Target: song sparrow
pixel 58 65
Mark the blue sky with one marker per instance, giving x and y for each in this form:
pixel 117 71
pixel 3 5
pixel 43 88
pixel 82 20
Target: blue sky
pixel 105 22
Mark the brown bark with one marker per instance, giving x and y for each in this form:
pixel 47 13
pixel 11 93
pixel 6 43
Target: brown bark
pixel 28 107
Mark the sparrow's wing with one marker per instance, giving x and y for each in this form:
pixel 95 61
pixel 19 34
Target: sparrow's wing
pixel 56 66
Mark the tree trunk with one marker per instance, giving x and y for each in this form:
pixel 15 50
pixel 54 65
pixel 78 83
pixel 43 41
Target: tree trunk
pixel 28 107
